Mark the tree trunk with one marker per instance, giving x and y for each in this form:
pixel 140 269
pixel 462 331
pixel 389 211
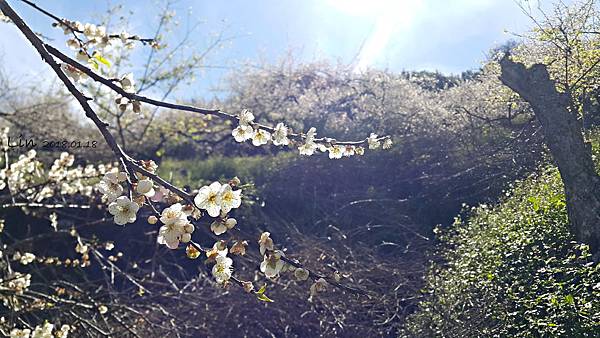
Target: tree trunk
pixel 563 133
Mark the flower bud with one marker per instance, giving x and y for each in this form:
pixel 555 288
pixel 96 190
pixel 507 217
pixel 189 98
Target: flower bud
pixel 185 238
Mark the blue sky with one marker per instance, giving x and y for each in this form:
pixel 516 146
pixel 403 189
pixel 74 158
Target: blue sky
pixel 445 35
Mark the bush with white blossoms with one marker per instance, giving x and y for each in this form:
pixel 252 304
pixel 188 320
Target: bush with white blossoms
pixel 26 177
pixel 46 330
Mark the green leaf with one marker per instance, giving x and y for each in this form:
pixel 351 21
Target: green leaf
pixel 535 202
pixel 569 299
pixel 262 289
pixel 94 64
pixel 102 60
pixel 264 298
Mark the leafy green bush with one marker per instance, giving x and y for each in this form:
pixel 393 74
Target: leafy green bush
pixel 513 270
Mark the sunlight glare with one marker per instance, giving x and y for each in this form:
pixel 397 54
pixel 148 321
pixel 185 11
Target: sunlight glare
pixel 390 18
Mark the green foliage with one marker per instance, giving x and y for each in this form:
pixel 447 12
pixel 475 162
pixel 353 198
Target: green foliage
pixel 194 171
pixel 513 270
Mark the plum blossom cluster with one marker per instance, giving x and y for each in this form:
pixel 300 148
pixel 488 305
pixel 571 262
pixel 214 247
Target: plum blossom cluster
pixel 176 227
pixel 124 104
pixel 27 177
pixel 218 200
pixel 249 130
pixel 22 173
pixel 46 330
pixel 64 179
pixel 89 40
pixel 223 268
pixel 16 282
pixel 24 258
pixel 272 263
pixel 123 208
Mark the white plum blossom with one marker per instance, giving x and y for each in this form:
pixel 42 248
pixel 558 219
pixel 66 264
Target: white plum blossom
pixel 170 235
pixel 387 143
pixel 63 332
pixel 243 133
pixel 336 152
pixel 230 223
pixel 218 227
pixel 18 282
pixel 27 258
pixel 4 18
pixel 265 242
pixel 110 186
pixel 301 274
pixel 218 249
pixel 145 187
pixel 150 165
pixel 72 72
pixel 309 146
pixel 127 83
pixel 246 117
pixel 221 226
pixel 349 151
pixel 124 36
pixel 222 269
pixel 175 226
pixel 272 264
pixel 209 199
pixel 20 333
pixel 230 199
pixel 83 56
pixel 280 135
pixel 124 210
pixel 186 237
pixel 103 309
pixel 373 142
pixel 307 149
pixel 73 44
pixel 44 331
pixel 92 31
pixel 81 248
pixel 174 214
pixel 239 248
pixel 261 137
pixel 320 285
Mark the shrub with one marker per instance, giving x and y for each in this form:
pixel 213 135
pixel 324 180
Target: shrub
pixel 512 270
